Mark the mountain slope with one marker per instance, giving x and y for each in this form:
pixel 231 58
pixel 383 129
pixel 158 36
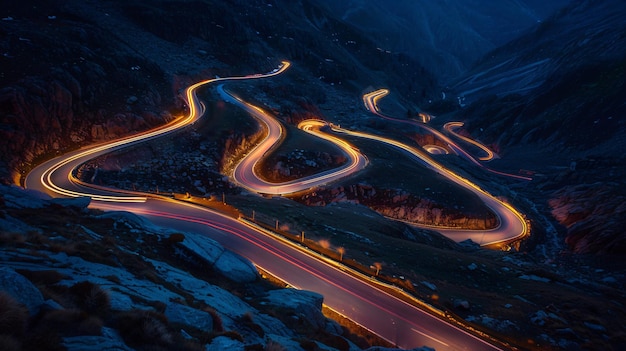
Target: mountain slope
pixel 559 93
pixel 444 36
pixel 75 73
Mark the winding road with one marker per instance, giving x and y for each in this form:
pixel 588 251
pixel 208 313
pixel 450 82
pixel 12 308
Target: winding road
pixel 365 303
pixel 245 175
pixel 511 224
pixel 370 100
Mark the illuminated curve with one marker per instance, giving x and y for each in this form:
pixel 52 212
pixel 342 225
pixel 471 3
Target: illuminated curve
pixel 451 126
pixel 511 224
pixel 55 170
pixel 384 314
pixel 245 173
pixel 370 100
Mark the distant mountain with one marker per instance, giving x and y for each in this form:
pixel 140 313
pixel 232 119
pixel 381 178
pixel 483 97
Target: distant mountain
pixel 74 73
pixel 587 33
pixel 444 36
pixel 559 92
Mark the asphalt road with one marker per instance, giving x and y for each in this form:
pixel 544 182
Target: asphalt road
pixel 245 175
pixel 403 324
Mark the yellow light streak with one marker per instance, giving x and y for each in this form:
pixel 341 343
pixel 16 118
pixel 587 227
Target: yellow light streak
pixel 196 110
pixel 492 202
pixel 450 126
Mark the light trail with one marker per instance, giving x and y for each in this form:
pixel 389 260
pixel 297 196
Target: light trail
pixel 451 126
pixel 370 100
pixel 245 173
pixel 355 298
pixel 353 295
pixel 512 224
pixel 62 164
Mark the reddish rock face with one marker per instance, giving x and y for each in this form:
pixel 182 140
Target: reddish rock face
pixel 401 205
pixel 590 213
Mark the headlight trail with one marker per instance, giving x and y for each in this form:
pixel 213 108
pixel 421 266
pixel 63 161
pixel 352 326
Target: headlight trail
pixel 512 224
pixel 370 100
pixel 52 173
pixel 451 126
pixel 384 314
pixel 246 176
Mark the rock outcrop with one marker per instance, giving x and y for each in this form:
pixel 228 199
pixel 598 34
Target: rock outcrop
pixel 60 91
pixel 114 281
pixel 21 289
pixel 592 214
pixel 401 205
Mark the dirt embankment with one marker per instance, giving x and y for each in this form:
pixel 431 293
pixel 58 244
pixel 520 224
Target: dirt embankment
pixel 400 205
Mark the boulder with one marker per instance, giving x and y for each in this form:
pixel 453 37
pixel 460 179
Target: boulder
pixel 203 247
pixel 225 343
pixel 110 340
pixel 236 268
pixel 21 289
pixel 16 197
pixel 177 313
pixel 307 304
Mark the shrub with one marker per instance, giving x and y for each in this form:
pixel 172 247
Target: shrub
pixel 90 297
pixel 139 327
pixel 175 238
pixel 13 316
pixel 9 343
pixel 70 322
pixel 247 320
pixel 218 325
pixel 274 346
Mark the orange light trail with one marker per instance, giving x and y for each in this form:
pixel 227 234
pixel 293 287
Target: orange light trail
pixel 196 110
pixel 451 126
pixel 512 224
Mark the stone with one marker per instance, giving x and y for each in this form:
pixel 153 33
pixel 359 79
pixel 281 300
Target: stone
pixel 21 289
pixel 225 343
pixel 177 313
pixel 236 268
pixel 204 248
pixel 307 304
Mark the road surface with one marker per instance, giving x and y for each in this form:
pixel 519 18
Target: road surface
pixel 370 100
pixel 399 322
pixel 245 175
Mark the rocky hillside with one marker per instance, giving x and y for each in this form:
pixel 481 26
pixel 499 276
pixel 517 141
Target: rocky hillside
pixel 553 100
pixel 402 205
pixel 444 36
pixel 67 82
pixel 75 279
pixel 79 72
